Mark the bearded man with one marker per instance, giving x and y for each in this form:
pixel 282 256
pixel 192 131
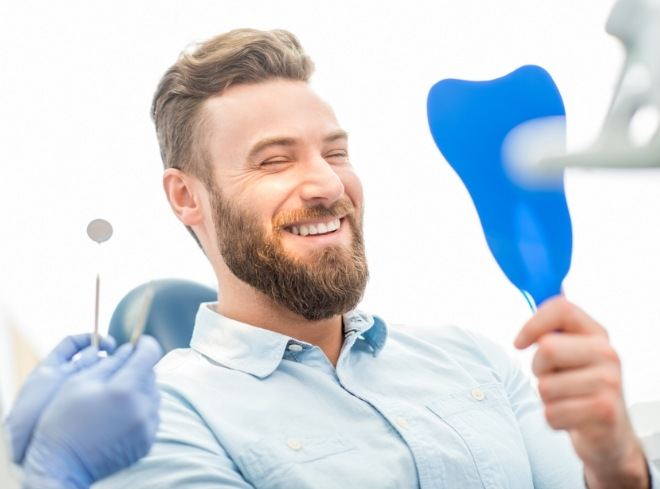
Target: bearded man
pixel 285 384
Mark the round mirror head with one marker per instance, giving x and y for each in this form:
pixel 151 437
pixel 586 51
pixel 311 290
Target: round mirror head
pixel 99 230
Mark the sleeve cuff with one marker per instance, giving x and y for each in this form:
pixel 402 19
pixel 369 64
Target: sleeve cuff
pixel 654 473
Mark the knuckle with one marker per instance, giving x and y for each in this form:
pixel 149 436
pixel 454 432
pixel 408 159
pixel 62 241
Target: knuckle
pixel 552 417
pixel 565 308
pixel 547 349
pixel 612 356
pixel 612 380
pixel 537 364
pixel 606 352
pixel 545 388
pixel 604 409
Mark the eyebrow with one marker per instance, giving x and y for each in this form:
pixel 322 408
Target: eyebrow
pixel 262 144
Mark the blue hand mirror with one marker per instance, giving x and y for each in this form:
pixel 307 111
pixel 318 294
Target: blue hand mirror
pixel 528 229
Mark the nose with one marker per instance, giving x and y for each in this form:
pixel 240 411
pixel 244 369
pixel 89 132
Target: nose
pixel 321 184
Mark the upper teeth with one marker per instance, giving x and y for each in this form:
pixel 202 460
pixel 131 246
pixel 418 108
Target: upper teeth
pixel 316 228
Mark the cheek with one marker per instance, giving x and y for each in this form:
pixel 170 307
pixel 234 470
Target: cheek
pixel 353 189
pixel 260 193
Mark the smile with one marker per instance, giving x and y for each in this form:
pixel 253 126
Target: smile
pixel 315 228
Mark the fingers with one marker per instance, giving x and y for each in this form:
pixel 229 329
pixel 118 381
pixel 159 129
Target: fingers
pixel 140 364
pixel 71 345
pixel 568 351
pixel 579 383
pixel 88 357
pixel 575 413
pixel 557 314
pixel 127 365
pixel 106 367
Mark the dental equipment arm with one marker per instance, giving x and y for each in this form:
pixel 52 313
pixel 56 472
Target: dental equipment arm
pixel 636 23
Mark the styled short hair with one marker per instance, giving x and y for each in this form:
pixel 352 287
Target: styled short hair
pixel 241 56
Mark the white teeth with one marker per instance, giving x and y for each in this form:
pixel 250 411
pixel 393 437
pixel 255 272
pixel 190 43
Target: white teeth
pixel 313 229
pixel 333 225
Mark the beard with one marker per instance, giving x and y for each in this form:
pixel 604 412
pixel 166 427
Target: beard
pixel 329 282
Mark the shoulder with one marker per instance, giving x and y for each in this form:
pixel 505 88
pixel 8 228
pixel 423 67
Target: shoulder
pixel 185 373
pixel 179 360
pixel 467 347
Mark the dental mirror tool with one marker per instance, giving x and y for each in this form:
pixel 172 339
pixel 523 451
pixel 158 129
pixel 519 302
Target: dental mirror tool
pixel 526 224
pixel 100 231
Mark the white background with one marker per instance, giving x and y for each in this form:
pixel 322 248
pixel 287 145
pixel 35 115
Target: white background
pixel 76 143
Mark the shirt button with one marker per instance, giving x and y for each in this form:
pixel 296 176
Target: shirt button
pixel 478 394
pixel 295 347
pixel 402 423
pixel 294 444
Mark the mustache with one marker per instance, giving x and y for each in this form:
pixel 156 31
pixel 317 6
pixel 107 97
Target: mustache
pixel 341 208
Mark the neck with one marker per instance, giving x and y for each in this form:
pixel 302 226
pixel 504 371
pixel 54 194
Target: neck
pixel 247 305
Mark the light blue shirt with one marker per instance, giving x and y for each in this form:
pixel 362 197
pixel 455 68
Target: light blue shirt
pixel 441 408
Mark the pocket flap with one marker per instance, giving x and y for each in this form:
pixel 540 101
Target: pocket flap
pixel 268 454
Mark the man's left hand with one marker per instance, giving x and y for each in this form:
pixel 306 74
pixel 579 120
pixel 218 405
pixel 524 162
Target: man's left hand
pixel 579 376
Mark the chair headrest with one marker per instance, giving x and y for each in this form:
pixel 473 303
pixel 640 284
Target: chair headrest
pixel 171 317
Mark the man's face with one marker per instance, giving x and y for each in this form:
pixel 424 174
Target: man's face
pixel 286 203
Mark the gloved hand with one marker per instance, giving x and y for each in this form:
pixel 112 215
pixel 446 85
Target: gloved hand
pixel 103 419
pixel 44 382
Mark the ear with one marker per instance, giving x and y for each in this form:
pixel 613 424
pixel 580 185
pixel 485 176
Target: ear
pixel 184 194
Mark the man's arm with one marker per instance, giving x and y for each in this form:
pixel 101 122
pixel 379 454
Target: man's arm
pixel 185 455
pixel 580 383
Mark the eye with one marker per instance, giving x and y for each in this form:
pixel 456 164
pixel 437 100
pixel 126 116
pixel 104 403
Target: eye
pixel 338 156
pixel 274 161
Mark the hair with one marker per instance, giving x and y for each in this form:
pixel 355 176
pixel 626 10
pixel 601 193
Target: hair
pixel 241 56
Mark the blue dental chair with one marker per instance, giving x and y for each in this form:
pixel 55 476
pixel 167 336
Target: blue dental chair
pixel 170 318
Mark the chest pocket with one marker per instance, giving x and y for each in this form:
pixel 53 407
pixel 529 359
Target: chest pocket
pixel 482 417
pixel 296 462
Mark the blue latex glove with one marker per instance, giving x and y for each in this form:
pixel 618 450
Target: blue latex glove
pixel 102 420
pixel 42 384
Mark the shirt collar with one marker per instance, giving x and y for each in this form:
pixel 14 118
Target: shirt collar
pixel 371 329
pixel 259 351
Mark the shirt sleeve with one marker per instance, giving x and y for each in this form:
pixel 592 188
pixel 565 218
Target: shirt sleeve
pixel 552 458
pixel 185 455
pixel 654 473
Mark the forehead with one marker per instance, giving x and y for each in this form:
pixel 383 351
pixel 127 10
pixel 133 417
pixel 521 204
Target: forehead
pixel 245 114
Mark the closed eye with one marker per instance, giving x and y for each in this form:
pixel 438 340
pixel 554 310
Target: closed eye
pixel 338 155
pixel 274 161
